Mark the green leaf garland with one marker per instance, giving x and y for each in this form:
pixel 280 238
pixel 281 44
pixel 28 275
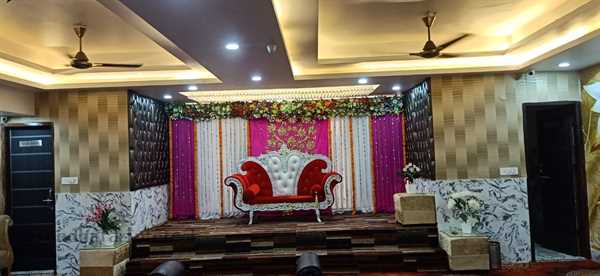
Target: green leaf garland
pixel 271 110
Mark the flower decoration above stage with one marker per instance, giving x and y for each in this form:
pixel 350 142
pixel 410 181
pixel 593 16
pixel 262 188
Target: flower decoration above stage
pixel 272 110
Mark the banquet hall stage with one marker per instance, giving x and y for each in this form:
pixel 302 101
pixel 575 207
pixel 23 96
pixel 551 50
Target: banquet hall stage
pixel 345 243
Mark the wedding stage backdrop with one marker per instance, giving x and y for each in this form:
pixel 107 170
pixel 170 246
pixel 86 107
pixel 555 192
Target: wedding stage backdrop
pixel 367 147
pixel 367 151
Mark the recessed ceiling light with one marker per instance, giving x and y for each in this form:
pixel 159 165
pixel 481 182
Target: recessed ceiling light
pixel 167 97
pixel 396 87
pixel 564 64
pixel 192 88
pixel 232 46
pixel 363 80
pixel 256 78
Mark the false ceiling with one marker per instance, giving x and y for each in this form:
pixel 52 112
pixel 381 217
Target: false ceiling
pixel 319 43
pixel 384 30
pixel 38 36
pixel 335 38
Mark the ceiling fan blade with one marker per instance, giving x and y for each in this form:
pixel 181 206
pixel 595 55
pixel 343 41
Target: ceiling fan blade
pixel 416 54
pixel 447 44
pixel 117 65
pixel 67 71
pixel 449 55
pixel 384 1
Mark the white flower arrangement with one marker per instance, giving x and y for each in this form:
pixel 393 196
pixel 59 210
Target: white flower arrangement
pixel 465 206
pixel 411 172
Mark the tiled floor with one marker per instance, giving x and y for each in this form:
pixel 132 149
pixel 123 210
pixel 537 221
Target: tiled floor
pixel 33 273
pixel 568 268
pixel 544 254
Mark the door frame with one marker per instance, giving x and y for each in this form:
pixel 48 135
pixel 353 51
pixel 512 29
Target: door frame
pixel 6 177
pixel 583 229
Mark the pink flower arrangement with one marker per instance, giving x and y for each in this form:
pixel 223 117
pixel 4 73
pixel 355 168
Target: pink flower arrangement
pixel 103 215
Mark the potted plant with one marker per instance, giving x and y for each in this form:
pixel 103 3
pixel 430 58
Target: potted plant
pixel 105 217
pixel 466 207
pixel 410 172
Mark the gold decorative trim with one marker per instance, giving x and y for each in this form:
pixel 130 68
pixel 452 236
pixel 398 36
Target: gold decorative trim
pixel 280 94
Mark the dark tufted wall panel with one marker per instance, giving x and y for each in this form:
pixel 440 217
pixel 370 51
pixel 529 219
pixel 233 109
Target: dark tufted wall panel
pixel 419 129
pixel 148 142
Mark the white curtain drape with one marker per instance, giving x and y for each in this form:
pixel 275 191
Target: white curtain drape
pixel 211 191
pixel 208 163
pixel 342 162
pixel 235 148
pixel 363 167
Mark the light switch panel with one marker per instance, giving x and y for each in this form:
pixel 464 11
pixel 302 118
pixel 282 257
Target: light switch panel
pixel 509 171
pixel 69 180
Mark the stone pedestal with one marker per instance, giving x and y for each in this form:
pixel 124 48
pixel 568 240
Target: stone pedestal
pixel 466 252
pixel 415 208
pixel 108 261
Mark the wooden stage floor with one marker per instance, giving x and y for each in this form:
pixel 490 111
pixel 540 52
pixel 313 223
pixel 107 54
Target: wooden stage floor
pixel 274 225
pixel 343 242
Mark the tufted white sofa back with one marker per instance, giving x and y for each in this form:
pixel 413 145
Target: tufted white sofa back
pixel 284 168
pixel 284 172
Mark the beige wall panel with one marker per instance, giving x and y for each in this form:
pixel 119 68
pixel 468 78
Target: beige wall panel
pixel 477 119
pixel 17 101
pixel 91 137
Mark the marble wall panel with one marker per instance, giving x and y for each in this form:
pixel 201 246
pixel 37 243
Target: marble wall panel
pixel 138 210
pixel 149 207
pixel 73 231
pixel 505 216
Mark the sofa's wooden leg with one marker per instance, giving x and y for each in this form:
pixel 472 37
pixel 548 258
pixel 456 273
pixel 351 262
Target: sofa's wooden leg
pixel 251 217
pixel 317 211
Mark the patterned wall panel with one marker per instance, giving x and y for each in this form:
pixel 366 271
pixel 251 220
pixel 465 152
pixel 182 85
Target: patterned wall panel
pixel 591 121
pixel 477 119
pixel 504 214
pixel 91 140
pixel 148 142
pixel 2 165
pixel 419 129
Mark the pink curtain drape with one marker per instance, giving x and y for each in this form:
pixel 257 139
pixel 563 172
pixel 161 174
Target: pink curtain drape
pixel 310 136
pixel 388 159
pixel 183 190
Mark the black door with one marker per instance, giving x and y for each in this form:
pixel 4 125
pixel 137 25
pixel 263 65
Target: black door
pixel 30 197
pixel 556 177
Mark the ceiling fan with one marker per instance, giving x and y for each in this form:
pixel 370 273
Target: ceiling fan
pixel 430 50
pixel 81 61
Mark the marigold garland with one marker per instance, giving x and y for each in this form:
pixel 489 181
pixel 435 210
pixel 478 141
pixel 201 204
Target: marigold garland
pixel 312 109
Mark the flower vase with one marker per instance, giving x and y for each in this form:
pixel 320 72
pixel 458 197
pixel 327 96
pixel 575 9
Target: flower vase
pixel 109 239
pixel 466 228
pixel 410 187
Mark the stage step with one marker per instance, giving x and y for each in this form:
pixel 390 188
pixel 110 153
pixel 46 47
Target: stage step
pixel 365 243
pixel 284 261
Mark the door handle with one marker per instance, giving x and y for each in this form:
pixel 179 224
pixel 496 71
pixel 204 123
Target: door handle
pixel 49 199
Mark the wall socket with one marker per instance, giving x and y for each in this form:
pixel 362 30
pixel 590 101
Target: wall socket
pixel 69 180
pixel 509 171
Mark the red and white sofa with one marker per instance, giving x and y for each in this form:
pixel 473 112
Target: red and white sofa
pixel 284 180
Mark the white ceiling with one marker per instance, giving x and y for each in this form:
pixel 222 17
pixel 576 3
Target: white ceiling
pixel 321 42
pixel 386 28
pixel 41 33
pixel 580 56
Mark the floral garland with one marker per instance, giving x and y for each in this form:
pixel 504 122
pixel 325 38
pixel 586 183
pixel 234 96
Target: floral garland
pixel 311 109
